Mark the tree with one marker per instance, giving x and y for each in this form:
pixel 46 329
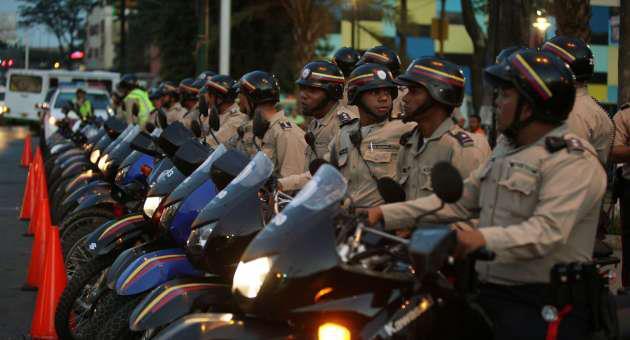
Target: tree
pixel 64 18
pixel 480 44
pixel 311 20
pixel 572 17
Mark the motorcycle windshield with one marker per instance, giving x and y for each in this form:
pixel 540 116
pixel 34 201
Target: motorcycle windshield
pixel 103 142
pixel 200 175
pixel 120 151
pixel 304 229
pixel 118 139
pixel 241 188
pixel 164 178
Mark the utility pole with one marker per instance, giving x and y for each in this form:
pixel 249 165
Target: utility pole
pixel 123 20
pixel 624 52
pixel 26 49
pixel 441 28
pixel 354 23
pixel 224 44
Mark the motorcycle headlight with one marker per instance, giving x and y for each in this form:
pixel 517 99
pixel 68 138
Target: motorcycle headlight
pixel 250 276
pixel 198 238
pixel 52 120
pixel 120 175
pixel 104 163
pixel 150 204
pixel 168 214
pixel 87 146
pixel 331 330
pixel 94 156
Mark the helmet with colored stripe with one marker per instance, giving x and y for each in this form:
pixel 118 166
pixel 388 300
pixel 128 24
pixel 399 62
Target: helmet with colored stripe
pixel 323 75
pixel 505 53
pixel 346 58
pixel 575 52
pixel 259 87
pixel 368 77
pixel 544 80
pixel 222 86
pixel 384 56
pixel 443 79
pixel 187 90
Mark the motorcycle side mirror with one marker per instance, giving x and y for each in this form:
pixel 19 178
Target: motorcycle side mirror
pixel 447 182
pixel 162 119
pixel 315 164
pixel 430 247
pixel 203 105
pixel 309 137
pixel 390 190
pixel 135 110
pixel 195 127
pixel 149 127
pixel 144 143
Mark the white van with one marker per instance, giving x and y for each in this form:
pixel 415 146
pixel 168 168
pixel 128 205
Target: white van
pixel 25 88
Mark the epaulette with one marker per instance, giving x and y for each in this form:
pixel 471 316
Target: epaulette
pixel 404 139
pixel 285 125
pixel 624 106
pixel 345 118
pixel 555 143
pixel 463 138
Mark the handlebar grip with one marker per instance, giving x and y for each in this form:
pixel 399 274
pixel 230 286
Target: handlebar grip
pixel 483 254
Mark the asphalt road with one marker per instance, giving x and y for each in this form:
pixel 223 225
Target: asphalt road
pixel 16 306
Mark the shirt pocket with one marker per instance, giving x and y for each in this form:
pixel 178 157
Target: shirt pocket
pixel 517 193
pixel 381 163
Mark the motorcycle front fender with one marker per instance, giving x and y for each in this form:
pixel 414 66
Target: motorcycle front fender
pixel 60 148
pixel 176 298
pixel 153 269
pixel 75 169
pixel 83 179
pixel 223 326
pixel 92 200
pixel 117 233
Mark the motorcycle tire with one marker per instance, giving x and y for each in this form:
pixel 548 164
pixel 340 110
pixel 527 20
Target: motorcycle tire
pixel 81 224
pixel 117 326
pixel 87 274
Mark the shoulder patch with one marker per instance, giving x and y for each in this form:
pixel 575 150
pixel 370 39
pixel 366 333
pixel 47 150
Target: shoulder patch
pixel 463 138
pixel 344 118
pixel 285 125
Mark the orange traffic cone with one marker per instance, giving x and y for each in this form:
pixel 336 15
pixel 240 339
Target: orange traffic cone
pixel 25 211
pixel 38 251
pixel 43 323
pixel 25 161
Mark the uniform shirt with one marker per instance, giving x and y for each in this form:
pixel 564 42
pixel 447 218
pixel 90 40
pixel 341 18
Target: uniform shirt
pixel 175 113
pixel 190 116
pixel 534 208
pixel 229 122
pixel 380 146
pixel 589 121
pixel 324 130
pixel 448 143
pixel 284 144
pixel 244 139
pixel 622 133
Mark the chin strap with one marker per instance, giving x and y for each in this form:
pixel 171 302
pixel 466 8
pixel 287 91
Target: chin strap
pixel 419 111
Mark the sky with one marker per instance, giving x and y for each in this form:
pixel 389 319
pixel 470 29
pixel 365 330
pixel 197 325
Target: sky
pixel 37 36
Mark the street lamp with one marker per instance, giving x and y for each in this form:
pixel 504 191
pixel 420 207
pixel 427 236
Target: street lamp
pixel 541 23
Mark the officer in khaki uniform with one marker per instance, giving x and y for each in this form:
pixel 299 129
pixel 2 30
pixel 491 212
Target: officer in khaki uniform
pixel 366 149
pixel 321 86
pixel 244 139
pixel 621 154
pixel 385 56
pixel 170 103
pixel 282 141
pixel 225 117
pixel 588 119
pixel 189 94
pixel 435 88
pixel 534 211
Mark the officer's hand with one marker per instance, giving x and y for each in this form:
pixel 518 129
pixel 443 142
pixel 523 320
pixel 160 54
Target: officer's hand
pixel 374 215
pixel 468 241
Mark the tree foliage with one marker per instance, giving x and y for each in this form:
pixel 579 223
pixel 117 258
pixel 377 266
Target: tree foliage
pixel 63 18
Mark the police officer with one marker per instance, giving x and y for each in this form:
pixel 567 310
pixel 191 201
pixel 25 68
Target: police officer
pixel 170 102
pixel 387 57
pixel 621 154
pixel 534 210
pixel 321 86
pixel 137 104
pixel 435 88
pixel 588 119
pixel 225 117
pixel 346 58
pixel 281 140
pixel 83 104
pixel 366 149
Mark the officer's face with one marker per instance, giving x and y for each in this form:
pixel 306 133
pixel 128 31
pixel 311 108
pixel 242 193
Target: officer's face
pixel 378 101
pixel 506 103
pixel 416 97
pixel 474 123
pixel 243 103
pixel 311 99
